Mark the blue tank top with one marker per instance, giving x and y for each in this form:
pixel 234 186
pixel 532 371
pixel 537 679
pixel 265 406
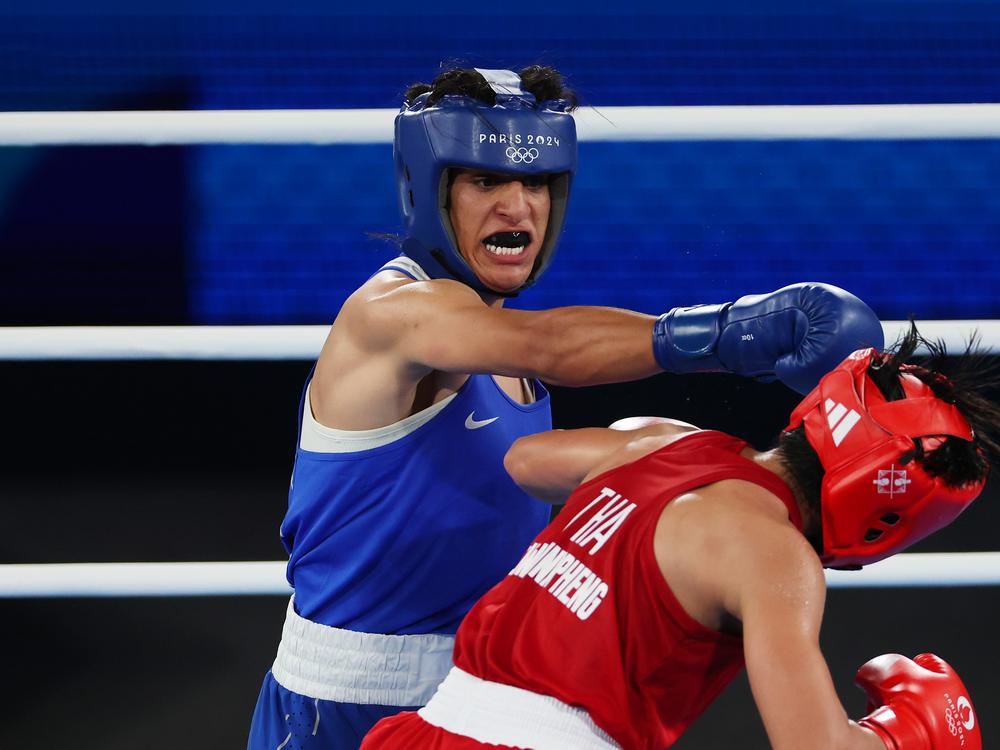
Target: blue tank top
pixel 405 537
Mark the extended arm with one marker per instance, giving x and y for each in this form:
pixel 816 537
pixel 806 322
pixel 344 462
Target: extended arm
pixel 797 333
pixel 442 325
pixel 393 332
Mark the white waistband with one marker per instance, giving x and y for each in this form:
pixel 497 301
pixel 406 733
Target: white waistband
pixel 332 664
pixel 503 715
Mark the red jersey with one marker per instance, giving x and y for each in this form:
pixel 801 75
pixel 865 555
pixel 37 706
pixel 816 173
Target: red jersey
pixel 583 644
pixel 586 616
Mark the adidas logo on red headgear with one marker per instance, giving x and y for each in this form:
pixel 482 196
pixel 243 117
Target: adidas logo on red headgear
pixel 840 419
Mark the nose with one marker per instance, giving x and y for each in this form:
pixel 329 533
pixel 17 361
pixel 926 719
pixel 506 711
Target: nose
pixel 512 201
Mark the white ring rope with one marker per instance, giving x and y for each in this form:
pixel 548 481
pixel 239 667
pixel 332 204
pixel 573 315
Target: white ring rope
pixel 326 126
pixel 143 579
pixel 268 578
pixel 923 569
pixel 162 342
pixel 302 342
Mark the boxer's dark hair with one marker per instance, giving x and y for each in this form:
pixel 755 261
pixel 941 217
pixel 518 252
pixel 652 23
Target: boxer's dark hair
pixel 540 80
pixel 970 381
pixel 806 474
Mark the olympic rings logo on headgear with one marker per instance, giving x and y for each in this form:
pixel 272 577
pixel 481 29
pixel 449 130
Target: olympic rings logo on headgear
pixel 521 155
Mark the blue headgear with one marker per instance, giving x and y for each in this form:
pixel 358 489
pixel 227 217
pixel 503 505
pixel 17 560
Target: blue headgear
pixel 515 136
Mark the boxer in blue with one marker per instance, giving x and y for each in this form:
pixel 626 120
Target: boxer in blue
pixel 400 513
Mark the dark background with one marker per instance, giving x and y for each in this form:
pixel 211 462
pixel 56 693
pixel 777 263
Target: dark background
pixel 176 461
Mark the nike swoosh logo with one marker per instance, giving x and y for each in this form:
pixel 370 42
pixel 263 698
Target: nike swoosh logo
pixel 474 424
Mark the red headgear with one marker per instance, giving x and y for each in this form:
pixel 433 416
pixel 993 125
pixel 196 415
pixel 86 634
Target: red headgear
pixel 873 504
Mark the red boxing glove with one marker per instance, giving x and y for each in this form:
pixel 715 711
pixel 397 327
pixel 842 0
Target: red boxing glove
pixel 918 704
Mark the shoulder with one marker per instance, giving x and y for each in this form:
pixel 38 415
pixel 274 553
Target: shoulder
pixel 771 563
pixel 743 545
pixel 660 423
pixel 645 435
pixel 390 301
pixel 389 286
pixel 733 515
pixel 766 534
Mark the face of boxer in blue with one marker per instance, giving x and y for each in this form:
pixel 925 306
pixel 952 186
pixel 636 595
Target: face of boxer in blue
pixel 499 223
pixel 483 188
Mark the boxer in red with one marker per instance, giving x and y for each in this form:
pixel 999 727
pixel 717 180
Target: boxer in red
pixel 683 555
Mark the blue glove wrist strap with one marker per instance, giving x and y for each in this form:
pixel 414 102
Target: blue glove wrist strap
pixel 685 339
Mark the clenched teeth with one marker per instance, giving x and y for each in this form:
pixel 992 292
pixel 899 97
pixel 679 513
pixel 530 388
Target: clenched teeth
pixel 507 243
pixel 498 250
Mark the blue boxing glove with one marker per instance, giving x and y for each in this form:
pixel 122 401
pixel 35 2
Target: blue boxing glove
pixel 796 334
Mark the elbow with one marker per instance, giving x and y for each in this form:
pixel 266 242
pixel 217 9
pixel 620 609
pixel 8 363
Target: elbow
pixel 524 466
pixel 516 461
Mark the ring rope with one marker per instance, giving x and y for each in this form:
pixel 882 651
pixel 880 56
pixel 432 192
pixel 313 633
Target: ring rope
pixel 162 342
pixel 302 342
pixel 266 578
pixel 354 126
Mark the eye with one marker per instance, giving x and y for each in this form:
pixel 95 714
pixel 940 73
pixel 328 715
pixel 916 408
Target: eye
pixel 485 181
pixel 535 181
